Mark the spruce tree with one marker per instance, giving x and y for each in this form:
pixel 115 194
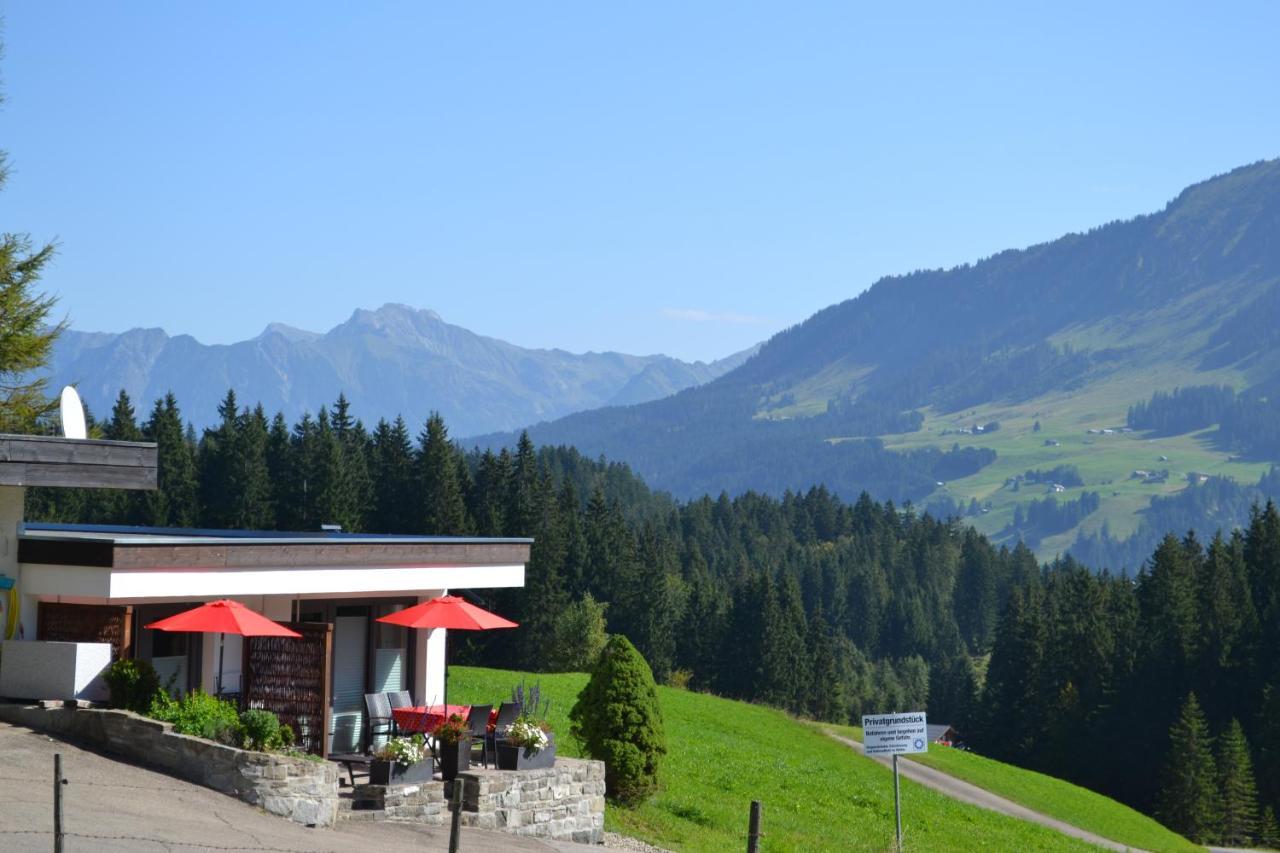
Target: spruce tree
pixel 443 510
pixel 619 722
pixel 395 497
pixel 1268 831
pixel 1188 802
pixel 826 699
pixel 1239 816
pixel 117 505
pixel 173 503
pixel 785 664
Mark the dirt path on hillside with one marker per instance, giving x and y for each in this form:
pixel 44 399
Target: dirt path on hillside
pixel 973 795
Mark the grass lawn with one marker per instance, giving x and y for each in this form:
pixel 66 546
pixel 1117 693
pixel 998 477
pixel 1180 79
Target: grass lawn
pixel 1054 797
pixel 817 794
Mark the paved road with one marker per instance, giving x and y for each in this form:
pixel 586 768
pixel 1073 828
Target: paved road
pixel 114 807
pixel 972 794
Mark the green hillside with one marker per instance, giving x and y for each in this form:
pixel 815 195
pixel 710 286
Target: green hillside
pixel 1047 795
pixel 817 794
pixel 882 393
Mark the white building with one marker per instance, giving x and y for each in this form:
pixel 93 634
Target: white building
pixel 90 583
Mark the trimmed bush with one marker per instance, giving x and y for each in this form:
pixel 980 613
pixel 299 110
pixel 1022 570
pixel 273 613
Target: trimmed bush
pixel 132 684
pixel 618 721
pixel 201 715
pixel 262 730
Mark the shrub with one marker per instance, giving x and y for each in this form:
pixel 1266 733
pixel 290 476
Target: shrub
pixel 618 721
pixel 578 636
pixel 202 715
pixel 261 729
pixel 132 683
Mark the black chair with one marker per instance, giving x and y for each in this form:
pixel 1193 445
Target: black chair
pixel 380 720
pixel 400 699
pixel 478 723
pixel 508 712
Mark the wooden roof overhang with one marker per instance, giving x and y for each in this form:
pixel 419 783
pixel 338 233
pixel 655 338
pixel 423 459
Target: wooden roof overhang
pixel 38 460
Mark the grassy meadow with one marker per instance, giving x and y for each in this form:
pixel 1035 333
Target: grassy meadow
pixel 816 793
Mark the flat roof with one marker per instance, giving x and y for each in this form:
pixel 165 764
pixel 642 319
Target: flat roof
pixel 123 546
pixel 138 535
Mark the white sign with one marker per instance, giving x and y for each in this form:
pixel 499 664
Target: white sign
pixel 895 734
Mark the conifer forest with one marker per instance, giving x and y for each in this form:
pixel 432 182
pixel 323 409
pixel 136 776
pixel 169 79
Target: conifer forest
pixel 825 608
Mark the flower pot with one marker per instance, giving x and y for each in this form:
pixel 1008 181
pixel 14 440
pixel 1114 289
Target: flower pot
pixel 512 757
pixel 391 773
pixel 454 757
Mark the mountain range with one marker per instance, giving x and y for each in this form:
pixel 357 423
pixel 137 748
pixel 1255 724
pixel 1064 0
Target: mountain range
pixel 974 390
pixel 395 360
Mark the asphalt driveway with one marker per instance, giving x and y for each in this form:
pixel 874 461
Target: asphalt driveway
pixel 114 807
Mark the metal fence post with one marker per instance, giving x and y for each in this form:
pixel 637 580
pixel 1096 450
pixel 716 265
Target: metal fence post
pixel 455 822
pixel 58 824
pixel 753 828
pixel 897 801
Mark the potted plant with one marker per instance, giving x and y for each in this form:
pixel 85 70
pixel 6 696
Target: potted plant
pixel 526 745
pixel 401 761
pixel 453 746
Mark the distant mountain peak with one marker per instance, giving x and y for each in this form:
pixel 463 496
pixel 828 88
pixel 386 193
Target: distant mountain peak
pixel 389 361
pixel 289 333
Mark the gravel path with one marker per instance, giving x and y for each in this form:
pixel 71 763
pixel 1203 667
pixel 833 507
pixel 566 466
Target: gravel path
pixel 626 842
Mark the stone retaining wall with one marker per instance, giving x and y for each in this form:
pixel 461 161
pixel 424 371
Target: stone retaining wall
pixel 564 802
pixel 303 791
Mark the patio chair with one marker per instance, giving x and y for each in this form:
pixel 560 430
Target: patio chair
pixel 380 720
pixel 507 714
pixel 400 699
pixel 478 721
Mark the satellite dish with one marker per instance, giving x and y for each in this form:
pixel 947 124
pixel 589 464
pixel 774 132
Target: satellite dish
pixel 72 411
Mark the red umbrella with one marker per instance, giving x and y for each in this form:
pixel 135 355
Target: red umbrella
pixel 447 611
pixel 223 617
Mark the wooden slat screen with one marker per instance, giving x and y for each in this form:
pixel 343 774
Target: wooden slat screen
pixel 290 677
pixel 87 623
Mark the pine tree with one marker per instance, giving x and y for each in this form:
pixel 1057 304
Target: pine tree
pixel 488 494
pixel 173 503
pixel 395 498
pixel 785 664
pixel 545 597
pixel 826 697
pixel 1189 803
pixel 1239 816
pixel 521 510
pixel 283 472
pixel 619 722
pixel 216 465
pixel 1268 831
pixel 115 505
pixel 443 510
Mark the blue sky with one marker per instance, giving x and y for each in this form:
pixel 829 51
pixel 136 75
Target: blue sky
pixel 685 178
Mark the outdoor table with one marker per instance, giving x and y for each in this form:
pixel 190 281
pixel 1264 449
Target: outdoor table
pixel 425 718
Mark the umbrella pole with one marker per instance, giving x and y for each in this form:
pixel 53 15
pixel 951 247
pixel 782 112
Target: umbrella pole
pixel 222 640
